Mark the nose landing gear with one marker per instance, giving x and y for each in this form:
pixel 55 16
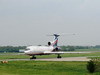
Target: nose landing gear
pixel 33 57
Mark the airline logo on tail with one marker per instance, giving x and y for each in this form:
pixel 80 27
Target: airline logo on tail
pixel 54 44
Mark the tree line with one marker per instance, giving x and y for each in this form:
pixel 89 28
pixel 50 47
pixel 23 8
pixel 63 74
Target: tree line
pixel 63 48
pixel 73 48
pixel 11 48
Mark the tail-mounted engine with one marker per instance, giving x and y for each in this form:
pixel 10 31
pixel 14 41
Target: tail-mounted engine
pixel 49 43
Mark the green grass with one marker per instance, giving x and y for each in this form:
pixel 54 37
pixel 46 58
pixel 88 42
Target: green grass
pixel 92 49
pixel 13 56
pixel 44 68
pixel 94 58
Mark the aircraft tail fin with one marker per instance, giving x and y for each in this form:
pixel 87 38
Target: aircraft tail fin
pixel 55 41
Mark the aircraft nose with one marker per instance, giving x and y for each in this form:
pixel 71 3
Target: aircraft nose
pixel 26 52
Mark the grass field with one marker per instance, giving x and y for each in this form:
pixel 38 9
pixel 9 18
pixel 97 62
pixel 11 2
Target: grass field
pixel 44 68
pixel 91 49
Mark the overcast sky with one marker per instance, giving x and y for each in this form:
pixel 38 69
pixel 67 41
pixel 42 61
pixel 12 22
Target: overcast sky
pixel 27 22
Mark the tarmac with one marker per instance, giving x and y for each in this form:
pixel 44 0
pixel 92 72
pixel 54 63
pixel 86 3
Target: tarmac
pixel 52 59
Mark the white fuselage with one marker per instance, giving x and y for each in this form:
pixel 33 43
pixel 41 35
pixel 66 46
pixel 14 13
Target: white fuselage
pixel 38 50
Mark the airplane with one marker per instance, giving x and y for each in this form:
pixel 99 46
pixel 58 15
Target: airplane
pixel 51 48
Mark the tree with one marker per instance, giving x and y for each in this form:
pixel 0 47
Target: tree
pixel 68 48
pixel 91 66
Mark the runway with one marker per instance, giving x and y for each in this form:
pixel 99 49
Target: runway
pixel 52 59
pixel 66 59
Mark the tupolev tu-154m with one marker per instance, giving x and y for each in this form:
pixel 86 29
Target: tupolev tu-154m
pixel 51 48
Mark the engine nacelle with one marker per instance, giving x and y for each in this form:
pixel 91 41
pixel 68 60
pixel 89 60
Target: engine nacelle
pixel 49 43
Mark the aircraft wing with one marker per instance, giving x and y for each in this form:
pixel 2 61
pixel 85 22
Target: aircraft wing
pixel 47 52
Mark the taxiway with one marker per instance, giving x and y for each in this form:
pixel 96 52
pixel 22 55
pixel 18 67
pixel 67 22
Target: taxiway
pixel 52 59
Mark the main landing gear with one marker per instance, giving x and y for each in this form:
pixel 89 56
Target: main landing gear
pixel 33 57
pixel 58 56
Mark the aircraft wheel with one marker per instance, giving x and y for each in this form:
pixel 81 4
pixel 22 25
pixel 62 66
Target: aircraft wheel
pixel 58 56
pixel 33 57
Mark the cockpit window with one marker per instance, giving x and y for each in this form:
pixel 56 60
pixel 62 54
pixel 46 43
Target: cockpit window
pixel 27 49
